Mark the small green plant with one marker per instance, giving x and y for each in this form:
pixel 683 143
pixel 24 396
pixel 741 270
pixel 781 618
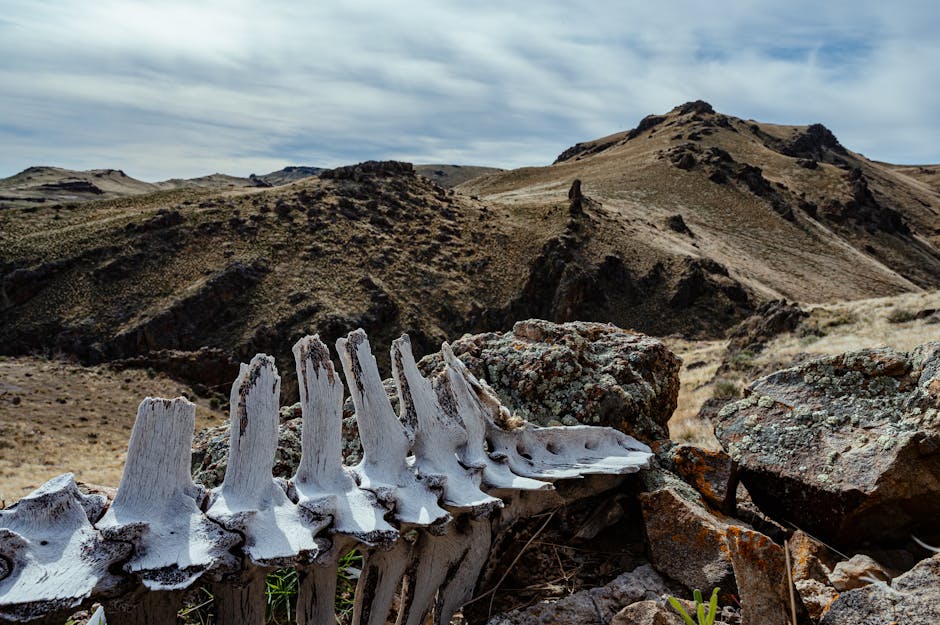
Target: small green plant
pixel 280 589
pixel 705 617
pixel 347 577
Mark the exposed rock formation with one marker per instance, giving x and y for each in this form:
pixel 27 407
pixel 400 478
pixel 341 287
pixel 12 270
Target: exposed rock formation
pixel 577 372
pixel 845 446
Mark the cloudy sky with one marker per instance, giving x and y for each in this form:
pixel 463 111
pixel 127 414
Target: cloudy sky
pixel 181 89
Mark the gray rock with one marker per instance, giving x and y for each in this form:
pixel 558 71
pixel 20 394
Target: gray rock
pixel 911 599
pixel 577 372
pixel 845 447
pixel 857 571
pixel 684 540
pixel 816 596
pixel 589 607
pixel 647 613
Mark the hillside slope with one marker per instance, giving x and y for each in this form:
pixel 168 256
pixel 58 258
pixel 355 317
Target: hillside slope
pixel 52 186
pixel 788 211
pixel 687 224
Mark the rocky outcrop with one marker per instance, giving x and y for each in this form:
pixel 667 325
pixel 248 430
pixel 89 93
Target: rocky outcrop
pixel 911 599
pixel 578 372
pixel 814 142
pixel 845 447
pixel 368 169
pixel 210 367
pixel 768 321
pixel 184 323
pixel 864 209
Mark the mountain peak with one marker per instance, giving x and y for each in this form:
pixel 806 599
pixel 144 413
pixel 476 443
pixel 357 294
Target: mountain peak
pixel 698 106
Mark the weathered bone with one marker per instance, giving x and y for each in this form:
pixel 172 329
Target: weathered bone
pixel 52 556
pixel 381 578
pixel 323 486
pixel 427 475
pixel 249 501
pixel 98 617
pixel 477 405
pixel 386 441
pixel 566 452
pixel 438 435
pixel 444 570
pixel 316 592
pixel 156 508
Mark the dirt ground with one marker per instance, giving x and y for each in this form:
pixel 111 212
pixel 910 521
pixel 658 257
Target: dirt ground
pixel 57 417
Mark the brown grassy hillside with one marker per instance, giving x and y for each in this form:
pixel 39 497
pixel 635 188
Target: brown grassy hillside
pixel 688 222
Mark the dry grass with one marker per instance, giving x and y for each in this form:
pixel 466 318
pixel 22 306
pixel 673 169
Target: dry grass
pixel 847 326
pixel 57 417
pixel 830 329
pixel 700 361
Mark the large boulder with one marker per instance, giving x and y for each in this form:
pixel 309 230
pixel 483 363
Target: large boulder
pixel 845 447
pixel 577 372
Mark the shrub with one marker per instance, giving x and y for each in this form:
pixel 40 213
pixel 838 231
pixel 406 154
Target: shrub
pixel 901 315
pixel 726 389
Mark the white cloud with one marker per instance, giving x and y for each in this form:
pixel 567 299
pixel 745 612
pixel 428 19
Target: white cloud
pixel 164 88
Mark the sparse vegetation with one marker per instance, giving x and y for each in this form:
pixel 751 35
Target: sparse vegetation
pixel 901 315
pixel 280 589
pixel 726 389
pixel 705 613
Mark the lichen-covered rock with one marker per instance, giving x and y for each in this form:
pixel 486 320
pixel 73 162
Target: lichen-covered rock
pixel 846 447
pixel 713 474
pixel 911 599
pixel 816 596
pixel 811 559
pixel 684 540
pixel 591 606
pixel 761 575
pixel 577 372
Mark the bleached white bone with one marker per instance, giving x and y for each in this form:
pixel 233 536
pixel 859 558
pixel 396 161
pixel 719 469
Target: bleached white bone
pixel 323 486
pixel 250 501
pixel 476 406
pixel 157 505
pixel 54 555
pixel 439 433
pixel 381 578
pixel 566 452
pixel 386 442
